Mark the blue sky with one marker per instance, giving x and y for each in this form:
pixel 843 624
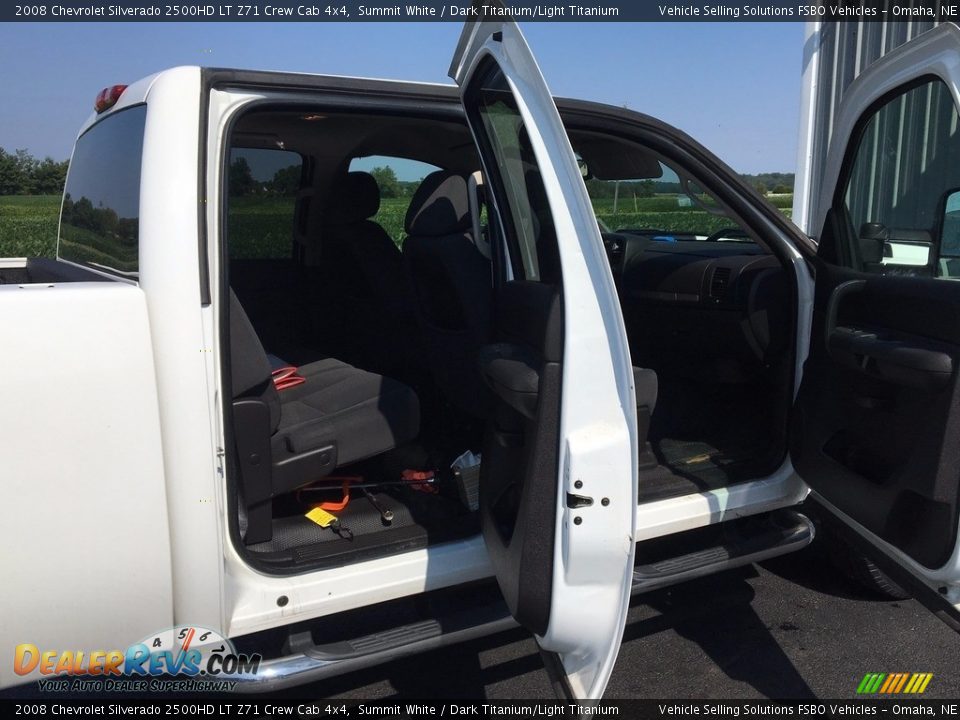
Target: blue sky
pixel 732 86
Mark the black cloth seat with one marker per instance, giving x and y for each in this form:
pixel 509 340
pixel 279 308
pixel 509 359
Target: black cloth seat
pixel 369 413
pixel 290 438
pixel 369 300
pixel 453 290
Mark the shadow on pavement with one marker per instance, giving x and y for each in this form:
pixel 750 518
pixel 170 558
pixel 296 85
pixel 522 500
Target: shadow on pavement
pixel 717 615
pixel 812 568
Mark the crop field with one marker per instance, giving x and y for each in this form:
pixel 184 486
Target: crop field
pixel 28 225
pixel 259 227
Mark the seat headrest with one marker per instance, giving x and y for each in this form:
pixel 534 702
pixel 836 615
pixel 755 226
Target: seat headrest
pixel 440 206
pixel 353 197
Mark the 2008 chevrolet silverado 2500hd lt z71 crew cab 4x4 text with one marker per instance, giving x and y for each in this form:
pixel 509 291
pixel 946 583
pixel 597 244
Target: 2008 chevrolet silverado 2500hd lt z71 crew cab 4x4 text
pixel 184 391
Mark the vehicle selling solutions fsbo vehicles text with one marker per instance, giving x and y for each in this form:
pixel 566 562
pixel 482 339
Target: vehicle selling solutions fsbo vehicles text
pixel 810 12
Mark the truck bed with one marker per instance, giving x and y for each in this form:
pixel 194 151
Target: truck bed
pixel 29 271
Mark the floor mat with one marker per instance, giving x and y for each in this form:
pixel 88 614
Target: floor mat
pixel 681 453
pixel 662 482
pixel 694 466
pixel 417 520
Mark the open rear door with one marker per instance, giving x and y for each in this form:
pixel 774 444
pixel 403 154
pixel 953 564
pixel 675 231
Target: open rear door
pixel 558 482
pixel 876 431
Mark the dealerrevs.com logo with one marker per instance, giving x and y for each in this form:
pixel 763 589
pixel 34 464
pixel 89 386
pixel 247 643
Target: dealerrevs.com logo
pixel 179 659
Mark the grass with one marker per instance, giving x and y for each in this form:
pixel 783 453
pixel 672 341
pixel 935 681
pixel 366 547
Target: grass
pixel 260 227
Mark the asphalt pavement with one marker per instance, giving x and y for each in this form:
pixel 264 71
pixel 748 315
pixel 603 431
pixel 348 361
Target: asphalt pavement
pixel 790 628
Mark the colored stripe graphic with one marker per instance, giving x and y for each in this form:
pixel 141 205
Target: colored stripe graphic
pixel 911 685
pixel 890 682
pixel 903 681
pixel 894 683
pixel 870 683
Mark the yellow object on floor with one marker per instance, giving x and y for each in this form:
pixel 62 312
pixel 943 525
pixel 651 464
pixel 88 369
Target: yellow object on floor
pixel 321 517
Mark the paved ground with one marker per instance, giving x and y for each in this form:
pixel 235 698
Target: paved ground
pixel 791 628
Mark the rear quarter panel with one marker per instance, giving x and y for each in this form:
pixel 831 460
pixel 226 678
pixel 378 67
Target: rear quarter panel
pixel 86 562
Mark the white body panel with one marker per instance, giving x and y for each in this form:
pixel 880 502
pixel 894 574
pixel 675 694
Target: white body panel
pixel 170 277
pixel 181 342
pixel 666 517
pixel 83 471
pixel 252 597
pixel 593 561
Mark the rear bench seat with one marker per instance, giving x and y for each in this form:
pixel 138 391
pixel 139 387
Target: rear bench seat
pixel 288 439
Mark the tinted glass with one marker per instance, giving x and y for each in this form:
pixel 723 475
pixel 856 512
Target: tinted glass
pixel 397 179
pixel 517 180
pixel 263 186
pixel 663 208
pixel 100 219
pixel 906 164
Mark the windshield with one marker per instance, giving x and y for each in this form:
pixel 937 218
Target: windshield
pixel 665 207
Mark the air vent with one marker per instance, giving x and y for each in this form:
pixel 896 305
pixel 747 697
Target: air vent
pixel 719 283
pixel 614 246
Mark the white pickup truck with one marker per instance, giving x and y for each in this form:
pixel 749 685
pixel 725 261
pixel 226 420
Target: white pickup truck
pixel 219 435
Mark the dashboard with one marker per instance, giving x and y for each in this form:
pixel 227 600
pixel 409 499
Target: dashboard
pixel 688 301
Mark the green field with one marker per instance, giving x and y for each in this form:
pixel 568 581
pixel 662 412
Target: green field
pixel 260 227
pixel 28 225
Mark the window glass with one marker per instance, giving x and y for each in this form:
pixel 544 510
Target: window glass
pixel 100 218
pixel 531 235
pixel 900 214
pixel 663 208
pixel 262 188
pixel 398 179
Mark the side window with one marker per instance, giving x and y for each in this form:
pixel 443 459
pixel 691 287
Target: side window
pixel 900 204
pixel 530 232
pixel 262 186
pixel 100 217
pixel 398 179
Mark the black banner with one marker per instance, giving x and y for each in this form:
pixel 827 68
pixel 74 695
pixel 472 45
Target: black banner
pixel 240 706
pixel 445 11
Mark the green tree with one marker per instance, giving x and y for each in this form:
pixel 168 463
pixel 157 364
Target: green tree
pixel 48 177
pixel 14 175
pixel 387 180
pixel 286 181
pixel 241 178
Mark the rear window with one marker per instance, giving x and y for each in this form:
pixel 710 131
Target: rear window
pixel 398 179
pixel 100 218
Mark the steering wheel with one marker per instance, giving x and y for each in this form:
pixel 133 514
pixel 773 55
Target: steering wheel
pixel 730 232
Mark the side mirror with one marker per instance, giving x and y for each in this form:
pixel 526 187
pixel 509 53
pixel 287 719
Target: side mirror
pixel 872 241
pixel 584 169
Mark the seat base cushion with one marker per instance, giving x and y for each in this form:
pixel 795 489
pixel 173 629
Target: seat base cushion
pixel 364 414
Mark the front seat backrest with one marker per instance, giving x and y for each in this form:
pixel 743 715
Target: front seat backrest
pixel 452 288
pixel 362 269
